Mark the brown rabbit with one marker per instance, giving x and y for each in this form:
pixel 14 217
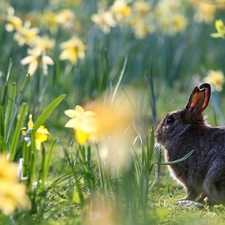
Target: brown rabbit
pixel 184 130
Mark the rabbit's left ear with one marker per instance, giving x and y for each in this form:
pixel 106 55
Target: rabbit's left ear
pixel 199 99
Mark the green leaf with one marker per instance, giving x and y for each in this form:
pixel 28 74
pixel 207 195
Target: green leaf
pixel 48 161
pixel 176 161
pixel 47 112
pixel 17 132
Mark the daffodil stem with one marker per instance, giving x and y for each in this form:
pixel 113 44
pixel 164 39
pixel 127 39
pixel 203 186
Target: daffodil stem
pixel 33 163
pixel 79 191
pixel 100 168
pixel 16 135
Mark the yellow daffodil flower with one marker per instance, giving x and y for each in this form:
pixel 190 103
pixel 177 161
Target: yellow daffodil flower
pixel 12 193
pixel 94 125
pixel 47 20
pixel 169 18
pixel 220 30
pixel 41 135
pixel 72 50
pixel 142 8
pixel 121 9
pixel 42 44
pixel 77 117
pixel 66 17
pixel 204 12
pixel 105 20
pixel 216 79
pixel 13 22
pixel 33 60
pixel 25 34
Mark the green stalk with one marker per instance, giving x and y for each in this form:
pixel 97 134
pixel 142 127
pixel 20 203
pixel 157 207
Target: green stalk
pixel 48 161
pixel 47 112
pixel 17 132
pixel 78 187
pixel 9 121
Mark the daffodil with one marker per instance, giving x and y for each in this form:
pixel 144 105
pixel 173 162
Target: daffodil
pixel 141 27
pixel 42 44
pixel 66 17
pixel 142 8
pixel 33 60
pixel 105 20
pixel 48 20
pixel 12 193
pixel 121 9
pixel 78 116
pixel 94 125
pixel 216 79
pixel 41 135
pixel 169 18
pixel 220 30
pixel 25 34
pixel 205 12
pixel 72 50
pixel 12 22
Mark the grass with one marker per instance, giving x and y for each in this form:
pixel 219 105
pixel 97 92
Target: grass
pixel 68 183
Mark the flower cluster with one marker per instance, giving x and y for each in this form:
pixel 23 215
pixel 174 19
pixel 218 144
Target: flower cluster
pixel 143 17
pixel 39 47
pixel 12 193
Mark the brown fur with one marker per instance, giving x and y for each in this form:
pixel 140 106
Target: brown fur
pixel 184 130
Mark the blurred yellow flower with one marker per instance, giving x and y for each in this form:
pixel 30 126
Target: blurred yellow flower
pixel 66 17
pixel 105 20
pixel 220 30
pixel 142 8
pixel 99 122
pixel 72 50
pixel 102 211
pixel 48 19
pixel 216 79
pixel 179 23
pixel 77 117
pixel 41 135
pixel 141 27
pixel 205 12
pixel 13 22
pixel 12 193
pixel 121 9
pixel 25 34
pixel 42 44
pixel 169 18
pixel 33 59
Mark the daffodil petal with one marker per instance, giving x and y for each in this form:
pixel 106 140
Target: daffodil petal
pixel 72 123
pixel 72 113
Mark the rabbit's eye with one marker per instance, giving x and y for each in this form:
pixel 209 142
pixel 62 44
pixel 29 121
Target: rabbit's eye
pixel 170 120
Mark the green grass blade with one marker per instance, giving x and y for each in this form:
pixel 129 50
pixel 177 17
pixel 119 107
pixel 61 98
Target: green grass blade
pixel 17 132
pixel 176 161
pixel 47 112
pixel 6 83
pixel 9 120
pixel 49 157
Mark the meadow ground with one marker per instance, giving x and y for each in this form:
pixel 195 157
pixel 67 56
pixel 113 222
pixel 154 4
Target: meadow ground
pixel 83 85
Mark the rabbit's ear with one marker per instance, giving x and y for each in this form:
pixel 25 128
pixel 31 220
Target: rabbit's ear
pixel 199 98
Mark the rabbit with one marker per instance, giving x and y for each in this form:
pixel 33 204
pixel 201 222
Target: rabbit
pixel 184 130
